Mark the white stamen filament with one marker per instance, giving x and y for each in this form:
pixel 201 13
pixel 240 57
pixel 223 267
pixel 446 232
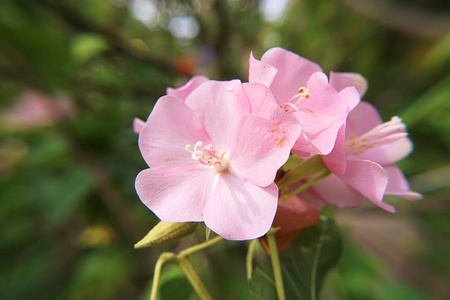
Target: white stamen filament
pixel 293 103
pixel 382 134
pixel 208 156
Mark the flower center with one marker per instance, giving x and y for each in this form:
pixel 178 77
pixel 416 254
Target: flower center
pixel 292 104
pixel 385 133
pixel 208 156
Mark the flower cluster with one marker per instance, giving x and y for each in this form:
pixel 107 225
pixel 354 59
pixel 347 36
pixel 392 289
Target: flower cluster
pixel 217 149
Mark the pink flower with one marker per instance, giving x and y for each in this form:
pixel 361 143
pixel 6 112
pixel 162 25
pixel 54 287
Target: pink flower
pixel 211 160
pixel 363 160
pixel 35 109
pixel 301 88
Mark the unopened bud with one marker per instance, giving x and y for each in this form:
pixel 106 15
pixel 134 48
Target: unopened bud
pixel 165 232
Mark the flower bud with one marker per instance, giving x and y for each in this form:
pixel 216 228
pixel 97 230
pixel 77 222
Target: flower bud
pixel 165 232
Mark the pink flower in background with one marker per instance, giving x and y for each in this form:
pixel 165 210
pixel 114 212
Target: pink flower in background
pixel 37 109
pixel 211 160
pixel 370 149
pixel 301 88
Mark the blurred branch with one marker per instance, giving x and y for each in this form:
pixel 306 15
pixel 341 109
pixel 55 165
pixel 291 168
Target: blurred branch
pixel 223 39
pixel 114 36
pixel 405 18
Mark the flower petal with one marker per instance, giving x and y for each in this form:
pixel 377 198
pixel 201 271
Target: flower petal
pixel 260 72
pixel 176 193
pixel 219 106
pixel 341 80
pixel 369 179
pixel 260 148
pixel 351 97
pixel 240 210
pixel 263 104
pixel 398 185
pixel 293 72
pixel 170 127
pixel 336 161
pixel 138 124
pixel 389 153
pixel 294 214
pixel 334 191
pixel 320 116
pixel 185 90
pixel 363 118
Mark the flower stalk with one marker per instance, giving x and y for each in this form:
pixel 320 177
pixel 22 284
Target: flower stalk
pixel 276 263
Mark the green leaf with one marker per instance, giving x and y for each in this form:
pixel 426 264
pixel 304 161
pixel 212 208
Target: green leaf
pixel 304 265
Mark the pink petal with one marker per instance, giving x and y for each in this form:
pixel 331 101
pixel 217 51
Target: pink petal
pixel 398 185
pixel 219 106
pixel 336 161
pixel 170 127
pixel 293 72
pixel 362 119
pixel 320 116
pixel 334 191
pixel 389 153
pixel 138 124
pixel 341 80
pixel 185 90
pixel 260 72
pixel 369 179
pixel 260 148
pixel 262 104
pixel 351 97
pixel 240 210
pixel 176 193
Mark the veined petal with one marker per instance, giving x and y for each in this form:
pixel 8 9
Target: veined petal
pixel 185 90
pixel 389 153
pixel 293 72
pixel 240 210
pixel 219 106
pixel 260 72
pixel 320 116
pixel 263 104
pixel 369 179
pixel 398 185
pixel 170 127
pixel 341 80
pixel 176 193
pixel 260 148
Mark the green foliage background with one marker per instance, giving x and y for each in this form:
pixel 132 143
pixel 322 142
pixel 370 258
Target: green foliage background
pixel 69 214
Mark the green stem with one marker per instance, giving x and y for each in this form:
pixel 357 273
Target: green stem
pixel 199 247
pixel 194 279
pixel 305 169
pixel 305 186
pixel 164 257
pixel 276 263
pixel 249 259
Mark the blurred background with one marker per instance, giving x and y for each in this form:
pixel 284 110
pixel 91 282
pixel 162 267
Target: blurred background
pixel 74 74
